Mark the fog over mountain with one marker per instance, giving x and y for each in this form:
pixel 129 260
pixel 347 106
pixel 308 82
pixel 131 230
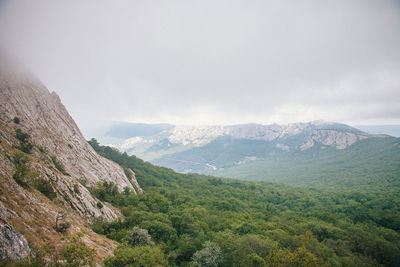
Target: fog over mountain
pixel 208 62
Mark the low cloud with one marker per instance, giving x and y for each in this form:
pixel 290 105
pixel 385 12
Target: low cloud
pixel 212 62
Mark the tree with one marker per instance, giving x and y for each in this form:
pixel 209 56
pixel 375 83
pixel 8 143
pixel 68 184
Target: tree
pixel 93 142
pixel 300 257
pixel 209 256
pixel 138 237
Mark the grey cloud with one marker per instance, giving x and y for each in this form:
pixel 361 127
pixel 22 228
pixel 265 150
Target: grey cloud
pixel 212 61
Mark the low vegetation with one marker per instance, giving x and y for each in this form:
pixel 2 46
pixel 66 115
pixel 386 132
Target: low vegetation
pixel 27 177
pixel 23 175
pixel 24 144
pixel 74 253
pixel 45 187
pixel 61 225
pixel 59 166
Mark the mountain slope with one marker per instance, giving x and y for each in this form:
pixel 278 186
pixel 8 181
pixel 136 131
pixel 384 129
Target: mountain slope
pixel 46 165
pixel 369 161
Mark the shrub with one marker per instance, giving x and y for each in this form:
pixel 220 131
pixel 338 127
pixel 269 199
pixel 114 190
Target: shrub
pixel 127 173
pixel 137 256
pixel 61 225
pixel 24 144
pixel 44 187
pixel 99 205
pixel 59 166
pixel 76 253
pixel 21 136
pixel 76 189
pixel 99 225
pixel 42 149
pixel 138 237
pixel 20 158
pixel 21 171
pixel 25 147
pixel 16 120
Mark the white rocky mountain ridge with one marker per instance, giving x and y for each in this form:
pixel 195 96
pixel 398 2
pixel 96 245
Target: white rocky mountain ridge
pixel 325 133
pixel 215 149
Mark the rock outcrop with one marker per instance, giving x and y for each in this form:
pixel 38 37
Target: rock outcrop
pixel 52 130
pixel 338 139
pixel 13 245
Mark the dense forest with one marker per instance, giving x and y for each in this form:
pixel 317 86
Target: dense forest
pixel 367 164
pixel 197 220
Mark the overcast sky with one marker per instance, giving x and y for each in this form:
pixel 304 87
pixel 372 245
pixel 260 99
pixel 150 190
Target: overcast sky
pixel 212 61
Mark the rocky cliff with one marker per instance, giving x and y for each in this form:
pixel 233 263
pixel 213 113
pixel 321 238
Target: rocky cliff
pixel 40 145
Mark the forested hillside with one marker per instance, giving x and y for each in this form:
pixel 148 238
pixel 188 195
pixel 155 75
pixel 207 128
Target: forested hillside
pixel 200 220
pixel 368 163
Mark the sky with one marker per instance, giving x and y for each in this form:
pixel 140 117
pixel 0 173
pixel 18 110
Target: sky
pixel 212 61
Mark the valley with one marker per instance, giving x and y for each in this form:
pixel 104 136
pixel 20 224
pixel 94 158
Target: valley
pixel 199 133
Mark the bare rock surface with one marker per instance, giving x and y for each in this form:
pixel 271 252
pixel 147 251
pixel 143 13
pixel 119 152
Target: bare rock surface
pixel 52 131
pixel 13 245
pixel 338 139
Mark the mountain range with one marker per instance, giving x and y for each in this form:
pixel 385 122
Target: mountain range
pixel 294 153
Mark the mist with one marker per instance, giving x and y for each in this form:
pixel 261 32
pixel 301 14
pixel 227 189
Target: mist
pixel 212 62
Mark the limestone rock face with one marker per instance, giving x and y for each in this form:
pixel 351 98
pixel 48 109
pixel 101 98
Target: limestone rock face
pixel 338 139
pixel 47 121
pixel 54 133
pixel 13 245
